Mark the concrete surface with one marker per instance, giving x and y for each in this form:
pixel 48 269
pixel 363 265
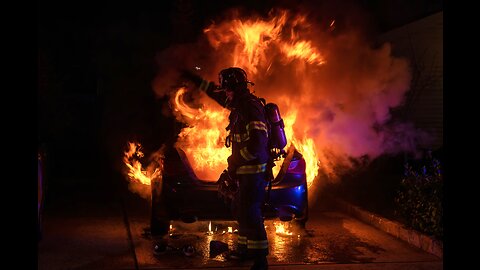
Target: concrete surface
pixel 82 234
pixel 413 237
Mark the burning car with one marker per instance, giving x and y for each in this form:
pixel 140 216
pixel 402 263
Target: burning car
pixel 181 195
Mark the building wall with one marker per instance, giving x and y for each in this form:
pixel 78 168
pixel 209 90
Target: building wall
pixel 421 42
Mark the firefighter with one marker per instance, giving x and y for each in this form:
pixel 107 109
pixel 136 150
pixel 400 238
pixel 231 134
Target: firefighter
pixel 248 138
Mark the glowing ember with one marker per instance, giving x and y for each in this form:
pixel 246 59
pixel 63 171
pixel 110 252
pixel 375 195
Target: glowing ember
pixel 282 229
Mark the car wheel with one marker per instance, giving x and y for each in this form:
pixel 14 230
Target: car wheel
pixel 302 222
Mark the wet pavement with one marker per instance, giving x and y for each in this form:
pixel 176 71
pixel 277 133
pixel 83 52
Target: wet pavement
pixel 114 234
pixel 330 238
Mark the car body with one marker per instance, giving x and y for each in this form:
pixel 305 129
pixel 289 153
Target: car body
pixel 180 195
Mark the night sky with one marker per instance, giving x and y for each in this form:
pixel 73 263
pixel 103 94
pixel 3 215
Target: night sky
pixel 96 62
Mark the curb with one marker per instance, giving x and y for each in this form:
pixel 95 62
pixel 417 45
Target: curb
pixel 396 229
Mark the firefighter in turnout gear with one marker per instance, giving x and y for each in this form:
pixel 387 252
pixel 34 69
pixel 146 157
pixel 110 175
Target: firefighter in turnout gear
pixel 248 138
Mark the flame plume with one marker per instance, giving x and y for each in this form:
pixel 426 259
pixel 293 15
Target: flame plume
pixel 334 90
pixel 204 139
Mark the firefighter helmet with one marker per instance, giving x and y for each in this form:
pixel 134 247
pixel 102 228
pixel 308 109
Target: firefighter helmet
pixel 233 78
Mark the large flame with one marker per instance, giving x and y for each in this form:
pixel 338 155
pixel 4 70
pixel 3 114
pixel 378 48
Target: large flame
pixel 334 90
pixel 255 41
pixel 204 139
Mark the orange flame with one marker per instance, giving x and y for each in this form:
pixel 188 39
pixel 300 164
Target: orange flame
pixel 303 50
pixel 282 229
pixel 210 232
pixel 204 140
pixel 136 172
pixel 256 43
pixel 335 91
pixel 304 145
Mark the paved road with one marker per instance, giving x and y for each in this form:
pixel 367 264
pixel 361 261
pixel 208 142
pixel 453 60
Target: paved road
pixel 93 234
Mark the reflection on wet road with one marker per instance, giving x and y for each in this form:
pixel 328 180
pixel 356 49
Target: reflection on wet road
pixel 329 237
pixel 97 239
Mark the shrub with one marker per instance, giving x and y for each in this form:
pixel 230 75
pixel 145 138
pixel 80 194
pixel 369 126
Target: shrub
pixel 419 200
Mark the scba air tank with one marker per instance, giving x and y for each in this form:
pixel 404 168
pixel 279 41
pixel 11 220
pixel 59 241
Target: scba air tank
pixel 277 127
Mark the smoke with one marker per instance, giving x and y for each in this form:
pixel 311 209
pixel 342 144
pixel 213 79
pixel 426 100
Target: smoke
pixel 339 88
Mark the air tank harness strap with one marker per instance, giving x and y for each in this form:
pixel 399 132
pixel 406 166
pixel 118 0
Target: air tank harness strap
pixel 228 140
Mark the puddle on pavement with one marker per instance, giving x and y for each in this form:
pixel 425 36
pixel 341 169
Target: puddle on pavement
pixel 292 245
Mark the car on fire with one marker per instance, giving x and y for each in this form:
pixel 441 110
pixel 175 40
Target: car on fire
pixel 181 195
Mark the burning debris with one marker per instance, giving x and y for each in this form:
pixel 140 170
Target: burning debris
pixel 283 228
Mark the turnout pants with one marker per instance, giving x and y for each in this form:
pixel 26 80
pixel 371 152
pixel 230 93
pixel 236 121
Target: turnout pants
pixel 252 237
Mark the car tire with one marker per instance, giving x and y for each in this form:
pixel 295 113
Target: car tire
pixel 302 222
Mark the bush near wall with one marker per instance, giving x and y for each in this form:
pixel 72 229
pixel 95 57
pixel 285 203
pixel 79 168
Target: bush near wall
pixel 419 201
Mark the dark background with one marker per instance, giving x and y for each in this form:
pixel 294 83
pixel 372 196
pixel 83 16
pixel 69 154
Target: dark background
pixel 96 63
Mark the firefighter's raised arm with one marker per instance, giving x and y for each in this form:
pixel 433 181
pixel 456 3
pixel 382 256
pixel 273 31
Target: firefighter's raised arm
pixel 190 76
pixel 209 87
